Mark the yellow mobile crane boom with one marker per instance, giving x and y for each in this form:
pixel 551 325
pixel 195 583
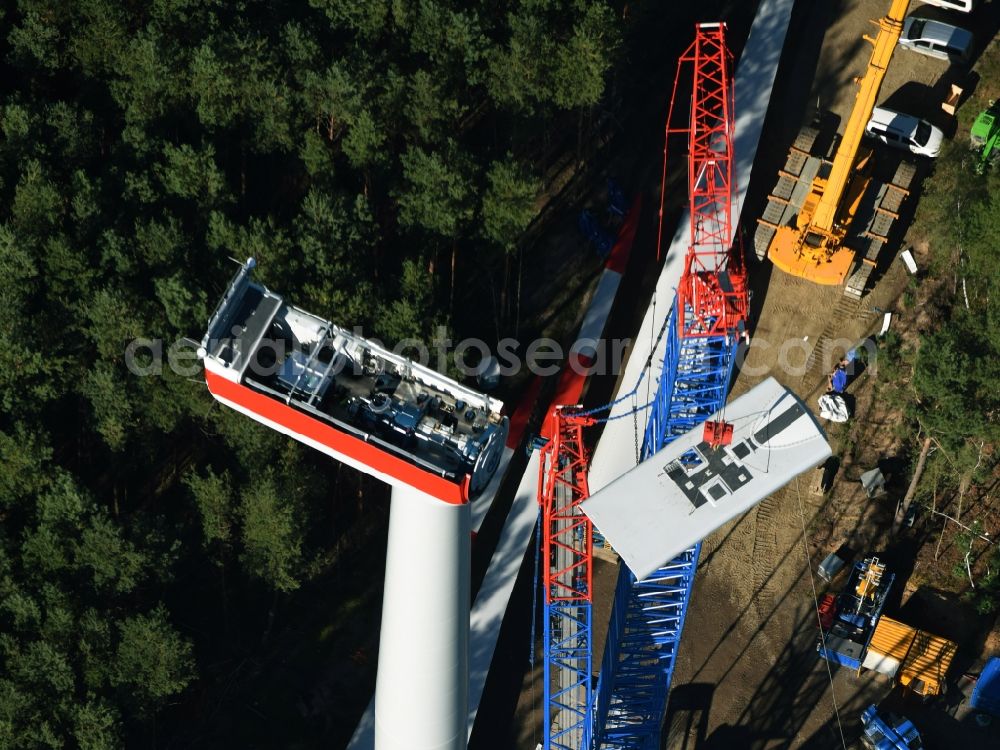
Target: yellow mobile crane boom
pixel 810 243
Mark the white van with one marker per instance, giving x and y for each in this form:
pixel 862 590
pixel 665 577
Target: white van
pixel 963 5
pixel 904 131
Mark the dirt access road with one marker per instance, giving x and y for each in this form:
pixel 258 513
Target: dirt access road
pixel 748 675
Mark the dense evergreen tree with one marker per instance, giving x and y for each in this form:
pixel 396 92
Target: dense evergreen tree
pixel 957 365
pixel 347 144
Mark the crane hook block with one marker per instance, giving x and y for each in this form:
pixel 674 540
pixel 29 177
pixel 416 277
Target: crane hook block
pixel 718 433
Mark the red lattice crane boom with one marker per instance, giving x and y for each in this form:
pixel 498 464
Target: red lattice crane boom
pixel 712 293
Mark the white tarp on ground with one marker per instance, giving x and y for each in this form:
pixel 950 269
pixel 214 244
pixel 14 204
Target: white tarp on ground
pixel 689 489
pixel 615 453
pixel 833 407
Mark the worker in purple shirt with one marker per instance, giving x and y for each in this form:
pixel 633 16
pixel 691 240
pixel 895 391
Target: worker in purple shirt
pixel 838 378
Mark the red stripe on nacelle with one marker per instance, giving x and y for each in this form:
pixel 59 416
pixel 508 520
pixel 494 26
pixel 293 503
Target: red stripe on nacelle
pixel 336 441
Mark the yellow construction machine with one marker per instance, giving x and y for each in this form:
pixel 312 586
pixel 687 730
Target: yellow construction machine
pixel 813 214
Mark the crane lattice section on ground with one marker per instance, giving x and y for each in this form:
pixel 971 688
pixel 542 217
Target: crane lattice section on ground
pixel 567 550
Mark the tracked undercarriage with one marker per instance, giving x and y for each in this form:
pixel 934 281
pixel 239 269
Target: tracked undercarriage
pixel 870 229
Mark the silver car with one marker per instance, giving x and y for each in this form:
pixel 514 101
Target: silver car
pixel 936 39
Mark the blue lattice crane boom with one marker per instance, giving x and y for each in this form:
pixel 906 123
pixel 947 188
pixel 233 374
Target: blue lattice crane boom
pixel 703 330
pixel 626 709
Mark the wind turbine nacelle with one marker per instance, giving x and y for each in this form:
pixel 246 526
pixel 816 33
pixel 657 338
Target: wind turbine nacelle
pixel 680 495
pixel 348 396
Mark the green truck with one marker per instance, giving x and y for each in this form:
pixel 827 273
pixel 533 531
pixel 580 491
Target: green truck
pixel 985 136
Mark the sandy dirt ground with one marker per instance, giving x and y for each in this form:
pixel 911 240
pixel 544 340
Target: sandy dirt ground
pixel 748 675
